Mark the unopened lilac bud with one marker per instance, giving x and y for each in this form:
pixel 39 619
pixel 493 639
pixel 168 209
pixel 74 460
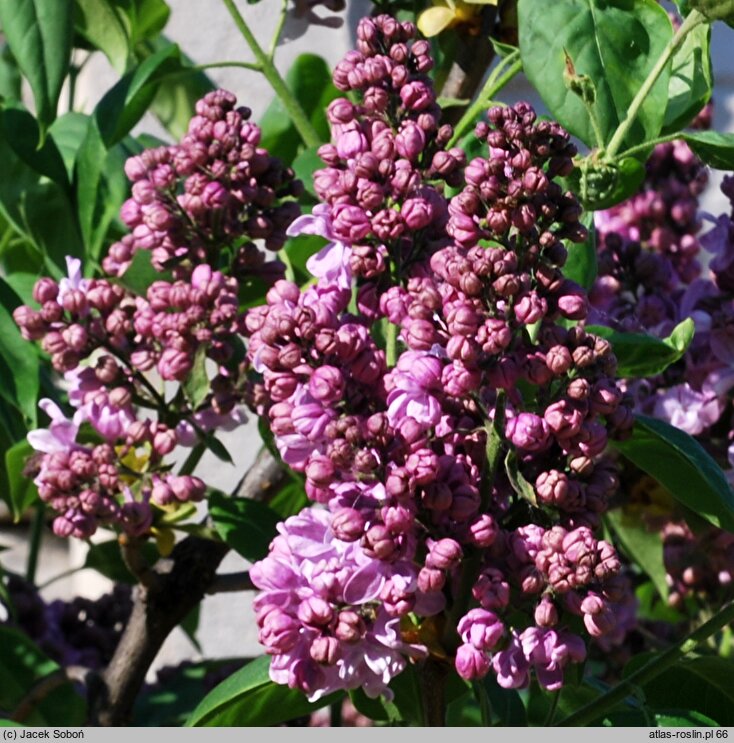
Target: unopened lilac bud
pixel 326 384
pixel 471 663
pixel 445 554
pixel 164 441
pixel 76 337
pixel 350 626
pixel 380 542
pixel 480 628
pixel 484 531
pixel 410 141
pixel 546 614
pixel 348 525
pixel 530 308
pixel 431 580
pixel 325 650
pixel 315 611
pixel 174 364
pixel 162 494
pixel 45 290
pixel 279 631
pixel 187 488
pixel 528 431
pixel 417 213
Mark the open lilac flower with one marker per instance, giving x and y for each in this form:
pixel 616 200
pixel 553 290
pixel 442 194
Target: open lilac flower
pixel 320 613
pixel 61 434
pixel 331 263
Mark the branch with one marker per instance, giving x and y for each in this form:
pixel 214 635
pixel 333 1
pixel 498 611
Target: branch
pixel 469 65
pixel 174 586
pixel 230 583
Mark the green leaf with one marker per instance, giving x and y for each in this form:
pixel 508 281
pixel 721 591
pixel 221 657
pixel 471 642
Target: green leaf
pixel 505 703
pixel 106 559
pixel 68 132
pixel 22 133
pixel 679 463
pixel 247 526
pixel 299 250
pixel 147 18
pixel 681 718
pixel 190 625
pixel 101 24
pixel 519 484
pixel 290 499
pixel 616 43
pixel 714 148
pixel 22 666
pixel 408 700
pixel 19 362
pixel 643 546
pixel 125 103
pixel 304 166
pixel 642 355
pixel 217 448
pixel 10 79
pixel 691 80
pixel 309 79
pixel 700 685
pixel 581 264
pixel 174 103
pixel 39 33
pixel 37 208
pixel 141 274
pixel 250 698
pixel 715 10
pixel 169 704
pixel 196 384
pixel 22 492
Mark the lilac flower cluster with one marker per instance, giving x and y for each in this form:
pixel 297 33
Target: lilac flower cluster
pixel 386 151
pixel 78 632
pixel 217 189
pixel 114 347
pixel 393 438
pixel 651 248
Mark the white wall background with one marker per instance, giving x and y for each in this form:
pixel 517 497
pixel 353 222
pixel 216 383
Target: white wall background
pixel 207 34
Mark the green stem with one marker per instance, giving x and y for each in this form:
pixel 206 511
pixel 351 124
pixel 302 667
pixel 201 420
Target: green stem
pixel 502 74
pixel 335 715
pixel 473 562
pixel 693 20
pixel 35 543
pixel 278 29
pixel 254 66
pixel 298 116
pixel 596 709
pixel 193 459
pixel 391 345
pixel 649 145
pixel 60 576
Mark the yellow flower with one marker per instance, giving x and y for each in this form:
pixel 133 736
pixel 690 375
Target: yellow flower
pixel 447 13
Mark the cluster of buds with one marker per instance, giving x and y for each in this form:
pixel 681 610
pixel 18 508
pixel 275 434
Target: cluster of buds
pixel 652 247
pixel 114 347
pixel 467 449
pixel 215 189
pixel 385 151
